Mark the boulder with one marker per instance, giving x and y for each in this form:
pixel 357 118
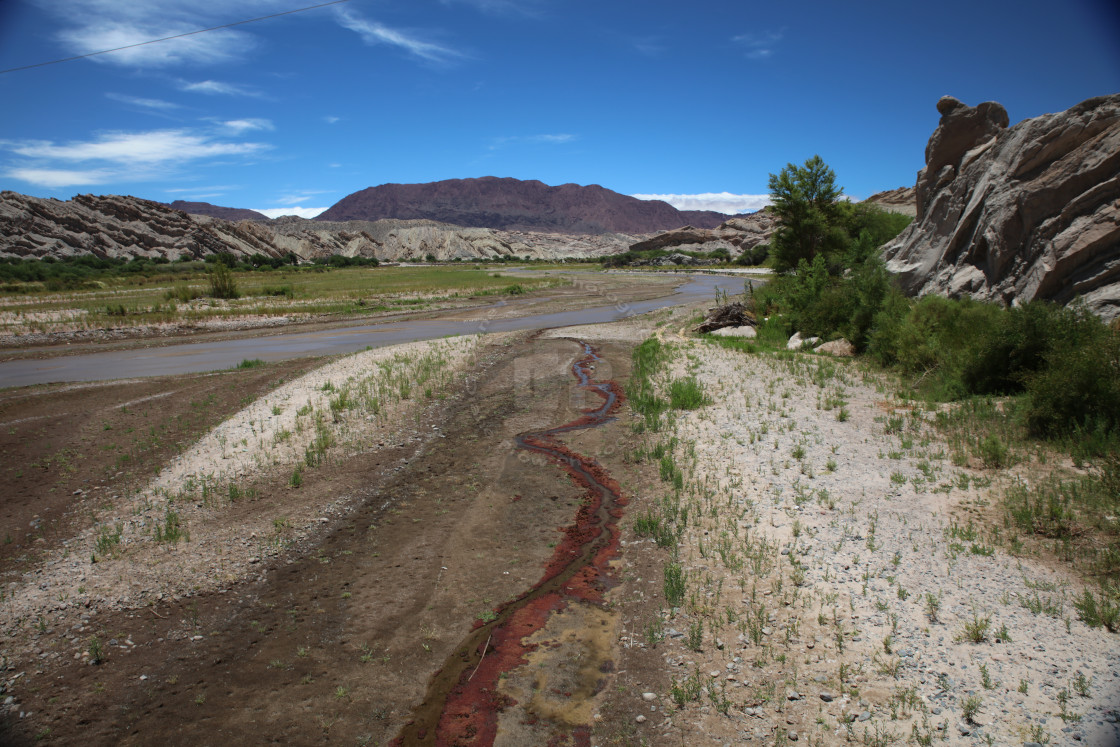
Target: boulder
pixel 747 332
pixel 1014 214
pixel 840 348
pixel 797 342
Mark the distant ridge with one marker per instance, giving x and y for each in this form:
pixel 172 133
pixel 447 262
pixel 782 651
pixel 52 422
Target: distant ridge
pixel 518 205
pixel 217 211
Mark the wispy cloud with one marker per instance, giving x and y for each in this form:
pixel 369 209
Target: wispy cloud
pixel 721 202
pixel 156 104
pixel 301 196
pixel 650 46
pixel 238 126
pixel 503 7
pixel 54 178
pixel 85 26
pixel 546 139
pixel 302 212
pixel 119 156
pixel 375 33
pixel 332 120
pixel 761 45
pixel 216 88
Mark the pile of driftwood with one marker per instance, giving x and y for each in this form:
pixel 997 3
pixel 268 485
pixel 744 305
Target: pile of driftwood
pixel 731 315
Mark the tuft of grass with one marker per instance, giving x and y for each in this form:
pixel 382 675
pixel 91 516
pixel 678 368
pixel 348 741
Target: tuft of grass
pixel 687 394
pixel 250 363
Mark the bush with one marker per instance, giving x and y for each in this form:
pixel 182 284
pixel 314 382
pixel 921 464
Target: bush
pixel 222 282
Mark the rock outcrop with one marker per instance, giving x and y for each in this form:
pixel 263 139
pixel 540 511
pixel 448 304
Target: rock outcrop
pixel 736 235
pixel 899 200
pixel 1014 214
pixel 517 205
pixel 115 226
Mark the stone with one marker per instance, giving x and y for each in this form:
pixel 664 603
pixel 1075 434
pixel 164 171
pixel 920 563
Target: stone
pixel 745 331
pixel 649 697
pixel 1015 214
pixel 827 697
pixel 840 348
pixel 797 342
pixel 640 719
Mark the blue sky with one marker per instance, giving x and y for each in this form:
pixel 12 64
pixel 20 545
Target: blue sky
pixel 696 100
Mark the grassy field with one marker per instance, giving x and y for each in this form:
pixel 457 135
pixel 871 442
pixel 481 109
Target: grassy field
pixel 301 291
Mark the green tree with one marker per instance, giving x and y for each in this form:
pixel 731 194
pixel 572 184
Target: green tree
pixel 805 202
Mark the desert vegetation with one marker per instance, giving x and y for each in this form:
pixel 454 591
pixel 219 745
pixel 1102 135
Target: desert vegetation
pixel 41 296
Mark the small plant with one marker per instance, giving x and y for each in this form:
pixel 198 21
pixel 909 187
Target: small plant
pixel 171 530
pixel 986 678
pixel 971 705
pixel 1082 684
pixel 297 477
pixel 696 635
pixel 96 654
pixel 1024 687
pixel 1100 610
pixel 675 584
pixel 976 630
pixel 250 363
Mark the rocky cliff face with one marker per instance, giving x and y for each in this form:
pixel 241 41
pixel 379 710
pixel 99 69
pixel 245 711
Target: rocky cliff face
pixel 516 205
pixel 735 235
pixel 115 226
pixel 1018 213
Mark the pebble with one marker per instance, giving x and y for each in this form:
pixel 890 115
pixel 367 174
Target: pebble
pixel 827 697
pixel 640 719
pixel 649 697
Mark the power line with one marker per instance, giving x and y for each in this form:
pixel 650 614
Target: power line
pixel 176 36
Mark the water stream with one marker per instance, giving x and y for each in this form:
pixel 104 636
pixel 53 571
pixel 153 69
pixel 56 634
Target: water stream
pixel 463 702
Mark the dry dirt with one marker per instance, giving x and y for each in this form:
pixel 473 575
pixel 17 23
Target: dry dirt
pixel 325 612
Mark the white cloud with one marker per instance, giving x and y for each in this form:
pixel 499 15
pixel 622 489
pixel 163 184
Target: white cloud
pixel 60 177
pixel 721 202
pixel 219 188
pixel 332 120
pixel 302 212
pixel 157 104
pixel 157 146
pixel 545 139
pixel 216 88
pixel 374 33
pixel 302 196
pixel 119 156
pixel 239 126
pixel 760 46
pixel 87 26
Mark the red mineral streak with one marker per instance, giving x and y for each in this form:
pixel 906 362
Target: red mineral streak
pixel 466 713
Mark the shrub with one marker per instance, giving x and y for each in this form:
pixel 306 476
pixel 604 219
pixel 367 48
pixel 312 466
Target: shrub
pixel 222 282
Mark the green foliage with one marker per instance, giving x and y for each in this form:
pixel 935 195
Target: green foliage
pixel 647 360
pixel 805 202
pixel 675 584
pixel 222 282
pixel 250 363
pixel 687 394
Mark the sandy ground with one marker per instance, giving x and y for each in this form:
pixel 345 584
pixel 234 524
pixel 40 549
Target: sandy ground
pixel 358 403
pixel 830 567
pixel 831 573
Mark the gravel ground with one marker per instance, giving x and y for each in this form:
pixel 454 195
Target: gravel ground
pixel 360 403
pixel 832 582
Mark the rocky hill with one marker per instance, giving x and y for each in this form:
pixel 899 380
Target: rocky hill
pixel 217 211
pixel 516 205
pixel 1018 213
pixel 736 235
pixel 116 226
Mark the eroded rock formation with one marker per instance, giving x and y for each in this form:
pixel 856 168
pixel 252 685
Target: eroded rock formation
pixel 735 235
pixel 115 226
pixel 1018 213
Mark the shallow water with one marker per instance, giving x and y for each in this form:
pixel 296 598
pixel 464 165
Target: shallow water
pixel 212 356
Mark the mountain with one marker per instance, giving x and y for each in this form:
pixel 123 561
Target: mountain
pixel 126 227
pixel 217 211
pixel 514 204
pixel 1013 214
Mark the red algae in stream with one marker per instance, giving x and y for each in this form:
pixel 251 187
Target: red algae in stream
pixel 578 572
